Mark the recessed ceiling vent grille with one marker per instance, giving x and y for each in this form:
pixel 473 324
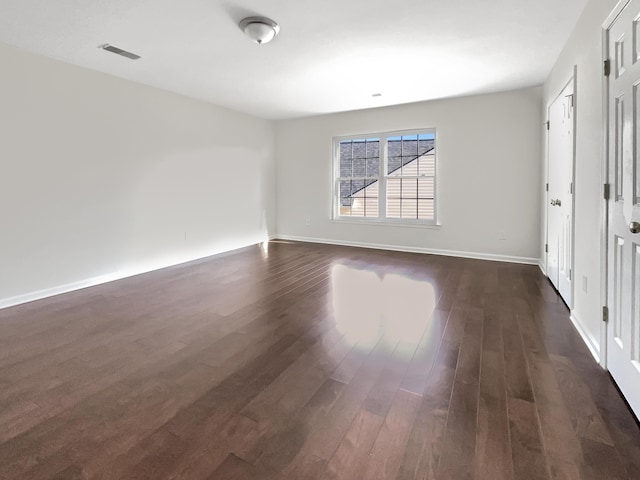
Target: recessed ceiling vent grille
pixel 119 51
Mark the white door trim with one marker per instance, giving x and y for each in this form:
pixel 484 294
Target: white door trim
pixel 604 226
pixel 604 179
pixel 615 13
pixel 604 175
pixel 573 80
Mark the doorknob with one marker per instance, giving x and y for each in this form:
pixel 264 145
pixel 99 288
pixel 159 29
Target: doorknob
pixel 553 203
pixel 634 227
pixel 558 203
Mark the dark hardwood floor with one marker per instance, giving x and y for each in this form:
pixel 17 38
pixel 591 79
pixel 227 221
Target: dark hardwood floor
pixel 309 362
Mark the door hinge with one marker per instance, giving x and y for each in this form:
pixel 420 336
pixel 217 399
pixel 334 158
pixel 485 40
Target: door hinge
pixel 546 248
pixel 607 68
pixel 607 191
pixel 570 275
pixel 605 314
pixel 548 124
pixel 546 187
pixel 571 188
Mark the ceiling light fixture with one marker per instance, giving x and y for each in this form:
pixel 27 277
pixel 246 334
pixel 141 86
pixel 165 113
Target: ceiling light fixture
pixel 259 29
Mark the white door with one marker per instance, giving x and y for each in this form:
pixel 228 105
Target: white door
pixel 560 195
pixel 623 235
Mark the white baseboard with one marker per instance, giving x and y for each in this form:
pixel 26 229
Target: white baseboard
pixel 591 342
pixel 91 282
pixel 542 267
pixel 58 290
pixel 431 251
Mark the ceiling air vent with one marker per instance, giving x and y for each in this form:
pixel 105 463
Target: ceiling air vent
pixel 119 51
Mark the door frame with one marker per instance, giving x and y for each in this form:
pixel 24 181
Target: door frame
pixel 573 80
pixel 604 203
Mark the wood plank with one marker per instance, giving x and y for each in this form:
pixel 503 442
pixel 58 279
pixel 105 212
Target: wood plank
pixel 351 456
pixel 493 458
pixel 236 366
pixel 280 443
pixel 387 452
pixel 584 414
pixel 426 440
pixel 516 368
pixel 417 375
pixel 234 468
pixel 323 440
pixel 468 369
pixel 458 454
pixel 528 456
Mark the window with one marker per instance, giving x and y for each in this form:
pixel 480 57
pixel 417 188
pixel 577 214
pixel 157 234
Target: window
pixel 386 177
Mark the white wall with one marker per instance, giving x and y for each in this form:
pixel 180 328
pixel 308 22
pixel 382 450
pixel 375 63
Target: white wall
pixel 584 51
pixel 102 177
pixel 489 175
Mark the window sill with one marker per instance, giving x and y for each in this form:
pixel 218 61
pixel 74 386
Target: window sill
pixel 388 223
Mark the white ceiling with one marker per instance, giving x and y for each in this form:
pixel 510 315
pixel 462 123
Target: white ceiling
pixel 330 56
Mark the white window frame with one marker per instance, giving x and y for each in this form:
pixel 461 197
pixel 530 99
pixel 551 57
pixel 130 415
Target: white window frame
pixel 382 219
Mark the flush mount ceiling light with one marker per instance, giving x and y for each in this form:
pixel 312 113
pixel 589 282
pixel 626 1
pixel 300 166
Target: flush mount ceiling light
pixel 259 29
